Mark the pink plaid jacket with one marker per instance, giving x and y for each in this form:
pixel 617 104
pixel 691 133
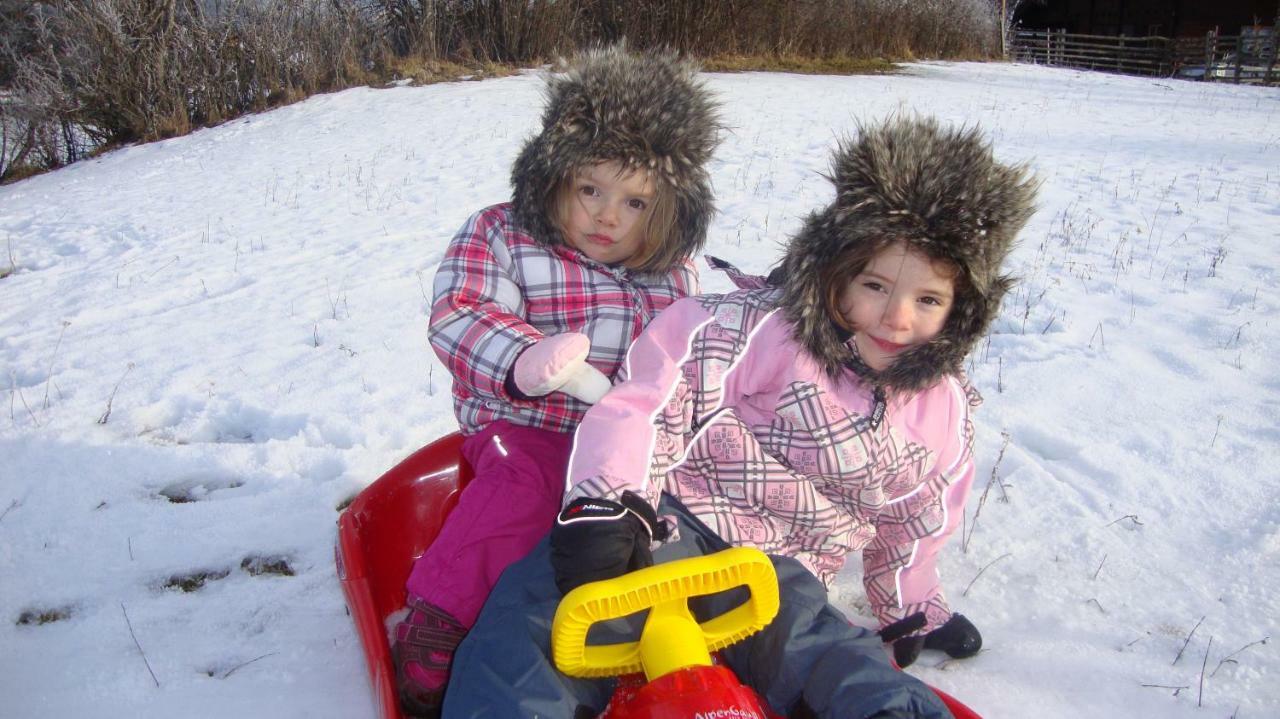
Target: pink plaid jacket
pixel 498 291
pixel 721 408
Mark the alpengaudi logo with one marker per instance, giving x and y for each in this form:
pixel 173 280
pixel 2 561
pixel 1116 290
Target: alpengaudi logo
pixel 729 713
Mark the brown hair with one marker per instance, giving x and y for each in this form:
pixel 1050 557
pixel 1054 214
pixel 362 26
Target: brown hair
pixel 658 223
pixel 836 276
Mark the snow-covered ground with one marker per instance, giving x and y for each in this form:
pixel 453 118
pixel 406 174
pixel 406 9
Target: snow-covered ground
pixel 209 343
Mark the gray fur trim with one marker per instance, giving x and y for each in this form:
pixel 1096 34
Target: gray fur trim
pixel 645 110
pixel 941 191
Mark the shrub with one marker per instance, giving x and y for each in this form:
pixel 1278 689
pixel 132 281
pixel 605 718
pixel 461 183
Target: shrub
pixel 88 73
pixel 76 75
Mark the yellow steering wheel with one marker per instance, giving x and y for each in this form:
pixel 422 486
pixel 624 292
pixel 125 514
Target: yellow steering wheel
pixel 672 639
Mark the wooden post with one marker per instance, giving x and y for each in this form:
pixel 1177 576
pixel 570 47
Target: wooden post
pixel 1271 64
pixel 1004 29
pixel 1275 40
pixel 1239 58
pixel 1209 48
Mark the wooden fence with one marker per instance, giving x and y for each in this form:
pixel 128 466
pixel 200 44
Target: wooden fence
pixel 1215 58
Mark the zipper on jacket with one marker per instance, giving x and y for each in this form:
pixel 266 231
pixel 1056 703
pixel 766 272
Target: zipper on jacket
pixel 878 409
pixel 642 315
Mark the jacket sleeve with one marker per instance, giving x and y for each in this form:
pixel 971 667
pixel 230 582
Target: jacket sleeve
pixel 629 439
pixel 900 571
pixel 477 313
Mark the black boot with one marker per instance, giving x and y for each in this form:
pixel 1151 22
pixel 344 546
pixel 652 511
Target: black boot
pixel 958 638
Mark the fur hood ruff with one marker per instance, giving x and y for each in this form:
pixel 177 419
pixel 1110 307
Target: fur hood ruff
pixel 645 111
pixel 942 192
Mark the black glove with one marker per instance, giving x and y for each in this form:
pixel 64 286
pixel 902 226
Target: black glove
pixel 905 648
pixel 957 637
pixel 902 628
pixel 595 539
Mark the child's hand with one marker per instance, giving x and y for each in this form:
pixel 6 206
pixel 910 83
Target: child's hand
pixel 559 363
pixel 595 539
pixel 903 627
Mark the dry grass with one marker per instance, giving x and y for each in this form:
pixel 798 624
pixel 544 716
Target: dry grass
pixel 423 71
pixel 797 64
pixel 20 172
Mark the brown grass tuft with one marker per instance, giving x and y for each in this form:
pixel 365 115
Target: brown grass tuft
pixel 426 71
pixel 798 64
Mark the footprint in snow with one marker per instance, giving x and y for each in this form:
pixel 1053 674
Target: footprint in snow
pixel 197 488
pixel 35 617
pixel 194 581
pixel 255 565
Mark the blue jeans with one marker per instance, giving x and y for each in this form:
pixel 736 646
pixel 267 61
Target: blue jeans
pixel 808 656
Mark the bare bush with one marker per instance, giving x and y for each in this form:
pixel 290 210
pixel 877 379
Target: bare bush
pixel 820 28
pixel 16 20
pixel 76 75
pixel 36 131
pixel 409 26
pixel 98 72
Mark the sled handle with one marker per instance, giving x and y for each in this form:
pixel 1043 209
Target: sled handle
pixel 672 639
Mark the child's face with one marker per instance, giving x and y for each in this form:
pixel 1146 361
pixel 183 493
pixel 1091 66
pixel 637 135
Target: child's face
pixel 604 218
pixel 900 300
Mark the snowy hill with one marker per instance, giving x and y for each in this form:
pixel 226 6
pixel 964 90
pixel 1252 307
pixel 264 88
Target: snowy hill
pixel 209 343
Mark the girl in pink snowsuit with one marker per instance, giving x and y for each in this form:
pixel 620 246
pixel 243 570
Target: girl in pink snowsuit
pixel 535 304
pixel 826 414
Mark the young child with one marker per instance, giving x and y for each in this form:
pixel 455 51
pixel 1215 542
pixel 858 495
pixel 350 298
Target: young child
pixel 535 304
pixel 819 417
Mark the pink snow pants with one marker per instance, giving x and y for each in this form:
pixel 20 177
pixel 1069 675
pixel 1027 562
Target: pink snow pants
pixel 503 512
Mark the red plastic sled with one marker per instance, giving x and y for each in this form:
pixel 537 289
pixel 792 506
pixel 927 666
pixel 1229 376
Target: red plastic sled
pixel 386 528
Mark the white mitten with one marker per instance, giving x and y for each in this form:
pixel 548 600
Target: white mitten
pixel 559 363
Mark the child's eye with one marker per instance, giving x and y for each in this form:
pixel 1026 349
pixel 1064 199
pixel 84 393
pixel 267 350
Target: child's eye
pixel 589 190
pixel 873 286
pixel 931 301
pixel 636 203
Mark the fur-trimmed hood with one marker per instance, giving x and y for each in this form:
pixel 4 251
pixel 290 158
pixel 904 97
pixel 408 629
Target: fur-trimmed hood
pixel 939 190
pixel 646 110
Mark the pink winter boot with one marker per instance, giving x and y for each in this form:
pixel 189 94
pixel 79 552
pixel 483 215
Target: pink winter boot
pixel 424 646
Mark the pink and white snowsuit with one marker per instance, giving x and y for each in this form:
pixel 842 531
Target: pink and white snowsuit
pixel 724 410
pixel 497 291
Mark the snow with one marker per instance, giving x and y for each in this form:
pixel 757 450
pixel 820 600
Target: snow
pixel 236 320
